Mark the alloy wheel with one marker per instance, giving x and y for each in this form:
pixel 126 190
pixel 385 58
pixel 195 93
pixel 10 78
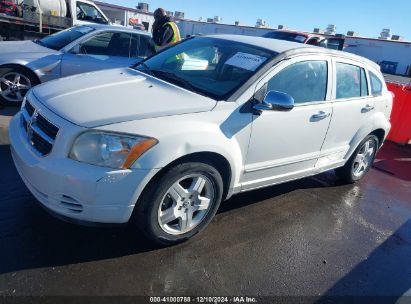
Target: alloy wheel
pixel 364 158
pixel 186 204
pixel 14 86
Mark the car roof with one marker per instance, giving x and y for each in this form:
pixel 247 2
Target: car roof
pixel 306 34
pixel 275 45
pixel 291 32
pixel 289 48
pixel 102 27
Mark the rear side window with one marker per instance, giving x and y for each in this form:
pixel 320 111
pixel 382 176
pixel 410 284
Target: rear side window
pixel 305 81
pixel 351 81
pixel 141 46
pixel 376 85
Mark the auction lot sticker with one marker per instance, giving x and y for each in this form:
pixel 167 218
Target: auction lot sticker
pixel 246 61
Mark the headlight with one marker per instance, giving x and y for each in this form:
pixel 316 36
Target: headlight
pixel 110 149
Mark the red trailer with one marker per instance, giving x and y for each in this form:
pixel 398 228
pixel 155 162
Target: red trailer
pixel 401 113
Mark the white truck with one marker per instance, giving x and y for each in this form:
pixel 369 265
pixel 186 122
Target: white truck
pixel 31 19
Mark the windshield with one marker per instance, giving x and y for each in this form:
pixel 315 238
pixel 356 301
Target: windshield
pixel 294 37
pixel 61 39
pixel 87 12
pixel 212 67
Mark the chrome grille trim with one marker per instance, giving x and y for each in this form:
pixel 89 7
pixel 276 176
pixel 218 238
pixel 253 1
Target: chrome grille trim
pixel 42 134
pixel 39 135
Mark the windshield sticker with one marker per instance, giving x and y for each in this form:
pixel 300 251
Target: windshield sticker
pixel 246 61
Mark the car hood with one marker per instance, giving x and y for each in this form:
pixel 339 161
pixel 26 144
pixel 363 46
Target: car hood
pixel 118 95
pixel 22 47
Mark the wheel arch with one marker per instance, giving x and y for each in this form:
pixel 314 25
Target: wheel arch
pixel 218 161
pixel 22 66
pixel 380 133
pixel 377 125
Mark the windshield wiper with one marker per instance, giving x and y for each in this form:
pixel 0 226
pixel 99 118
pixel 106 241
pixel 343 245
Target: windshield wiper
pixel 175 79
pixel 171 77
pixel 39 42
pixel 146 68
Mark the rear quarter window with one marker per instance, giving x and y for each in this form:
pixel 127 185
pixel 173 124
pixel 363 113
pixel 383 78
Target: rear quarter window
pixel 376 85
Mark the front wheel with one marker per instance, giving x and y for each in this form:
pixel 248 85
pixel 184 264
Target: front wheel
pixel 15 82
pixel 180 204
pixel 360 162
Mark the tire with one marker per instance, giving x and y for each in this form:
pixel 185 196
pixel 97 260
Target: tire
pixel 360 162
pixel 17 87
pixel 163 214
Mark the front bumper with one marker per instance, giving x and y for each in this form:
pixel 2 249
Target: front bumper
pixel 76 190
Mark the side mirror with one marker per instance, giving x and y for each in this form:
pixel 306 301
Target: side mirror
pixel 275 101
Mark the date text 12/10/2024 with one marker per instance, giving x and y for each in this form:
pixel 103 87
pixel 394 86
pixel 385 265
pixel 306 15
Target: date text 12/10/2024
pixel 203 300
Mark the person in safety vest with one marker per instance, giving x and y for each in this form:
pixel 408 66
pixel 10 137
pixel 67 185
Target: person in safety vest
pixel 165 31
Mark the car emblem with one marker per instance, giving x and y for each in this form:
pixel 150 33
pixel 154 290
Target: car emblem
pixel 30 124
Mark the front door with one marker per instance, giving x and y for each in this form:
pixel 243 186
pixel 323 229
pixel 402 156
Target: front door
pixel 105 50
pixel 286 145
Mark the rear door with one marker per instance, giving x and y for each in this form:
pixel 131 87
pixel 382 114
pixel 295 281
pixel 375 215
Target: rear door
pixel 105 50
pixel 353 104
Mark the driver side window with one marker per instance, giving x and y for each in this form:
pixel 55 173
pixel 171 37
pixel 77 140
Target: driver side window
pixel 108 44
pixel 305 81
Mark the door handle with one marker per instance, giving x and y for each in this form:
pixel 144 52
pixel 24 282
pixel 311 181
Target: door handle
pixel 320 116
pixel 367 109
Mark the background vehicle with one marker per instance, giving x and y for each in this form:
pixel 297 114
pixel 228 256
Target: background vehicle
pixel 260 112
pixel 336 43
pixel 38 18
pixel 80 49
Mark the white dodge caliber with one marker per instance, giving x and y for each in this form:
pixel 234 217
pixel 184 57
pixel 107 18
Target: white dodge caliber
pixel 161 144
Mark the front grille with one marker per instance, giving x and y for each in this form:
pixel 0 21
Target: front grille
pixel 41 133
pixel 29 108
pixel 40 144
pixel 47 127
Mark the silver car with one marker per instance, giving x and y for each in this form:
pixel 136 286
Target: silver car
pixel 163 143
pixel 24 64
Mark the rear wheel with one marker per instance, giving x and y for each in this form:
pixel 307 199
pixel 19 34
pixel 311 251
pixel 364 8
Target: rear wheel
pixel 180 204
pixel 15 82
pixel 360 162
